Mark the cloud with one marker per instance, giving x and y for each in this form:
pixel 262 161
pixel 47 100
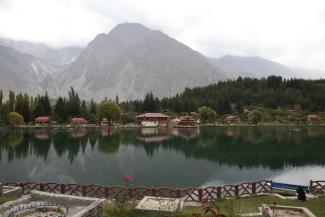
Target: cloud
pixel 291 32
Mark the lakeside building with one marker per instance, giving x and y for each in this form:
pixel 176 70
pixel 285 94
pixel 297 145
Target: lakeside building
pixel 187 121
pixel 42 120
pixel 153 119
pixel 79 121
pixel 313 117
pixel 231 119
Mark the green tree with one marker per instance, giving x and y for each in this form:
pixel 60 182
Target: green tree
pixel 110 110
pixel 92 112
pixel 207 114
pixel 254 116
pixel 150 103
pixel 60 109
pixel 15 118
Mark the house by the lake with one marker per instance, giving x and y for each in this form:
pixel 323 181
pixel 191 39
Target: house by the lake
pixel 78 121
pixel 231 119
pixel 153 119
pixel 42 120
pixel 187 121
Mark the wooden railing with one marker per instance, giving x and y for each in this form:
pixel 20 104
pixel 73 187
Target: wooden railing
pixel 189 194
pixel 317 187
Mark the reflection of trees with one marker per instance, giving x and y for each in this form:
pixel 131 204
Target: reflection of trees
pixel 269 147
pixel 109 144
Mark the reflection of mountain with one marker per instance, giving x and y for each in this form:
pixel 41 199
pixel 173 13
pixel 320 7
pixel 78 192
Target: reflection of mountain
pixel 243 147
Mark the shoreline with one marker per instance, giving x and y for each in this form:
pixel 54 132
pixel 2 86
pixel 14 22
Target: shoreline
pixel 134 126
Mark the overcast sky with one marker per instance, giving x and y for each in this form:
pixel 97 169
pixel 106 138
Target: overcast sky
pixel 291 32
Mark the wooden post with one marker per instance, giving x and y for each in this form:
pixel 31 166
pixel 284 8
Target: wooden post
pixel 311 186
pixel 62 189
pixel 178 193
pixel 22 187
pixel 254 188
pixel 200 195
pixel 236 191
pixel 83 190
pixel 219 192
pixel 153 192
pixel 41 186
pixel 106 192
pixel 271 186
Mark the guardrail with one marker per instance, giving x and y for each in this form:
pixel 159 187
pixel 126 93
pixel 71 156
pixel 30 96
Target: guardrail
pixel 211 193
pixel 317 187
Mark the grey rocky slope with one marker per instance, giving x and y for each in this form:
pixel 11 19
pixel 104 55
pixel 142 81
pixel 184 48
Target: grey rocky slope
pixel 25 73
pixel 131 60
pixel 60 56
pixel 256 67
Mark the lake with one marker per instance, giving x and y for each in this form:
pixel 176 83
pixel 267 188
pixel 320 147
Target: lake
pixel 164 157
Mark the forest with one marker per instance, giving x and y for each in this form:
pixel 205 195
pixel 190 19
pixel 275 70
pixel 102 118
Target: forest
pixel 224 97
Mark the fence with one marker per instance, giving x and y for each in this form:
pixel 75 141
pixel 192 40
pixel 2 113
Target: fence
pixel 317 187
pixel 189 194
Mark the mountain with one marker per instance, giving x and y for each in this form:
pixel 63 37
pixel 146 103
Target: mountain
pixel 25 73
pixel 258 67
pixel 60 56
pixel 133 59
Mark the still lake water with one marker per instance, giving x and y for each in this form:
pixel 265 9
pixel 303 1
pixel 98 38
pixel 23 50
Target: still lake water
pixel 169 158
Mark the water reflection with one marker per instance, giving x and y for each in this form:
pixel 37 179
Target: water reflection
pixel 270 147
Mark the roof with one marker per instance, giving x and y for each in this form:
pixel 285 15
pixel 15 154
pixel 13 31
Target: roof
pixel 42 118
pixel 231 117
pixel 79 119
pixel 153 115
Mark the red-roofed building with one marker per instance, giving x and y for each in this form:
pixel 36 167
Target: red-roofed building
pixel 313 117
pixel 42 120
pixel 187 121
pixel 78 121
pixel 231 119
pixel 153 119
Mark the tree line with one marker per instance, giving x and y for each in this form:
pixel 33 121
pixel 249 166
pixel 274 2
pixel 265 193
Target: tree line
pixel 224 97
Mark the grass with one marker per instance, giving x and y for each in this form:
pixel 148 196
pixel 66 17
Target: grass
pixel 230 207
pixel 251 204
pixel 3 200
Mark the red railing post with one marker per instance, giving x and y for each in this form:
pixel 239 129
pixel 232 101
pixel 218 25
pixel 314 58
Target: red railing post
pixel 106 192
pixel 254 188
pixel 236 191
pixel 219 192
pixel 22 187
pixel 311 186
pixel 200 195
pixel 153 192
pixel 62 189
pixel 84 190
pixel 178 193
pixel 41 186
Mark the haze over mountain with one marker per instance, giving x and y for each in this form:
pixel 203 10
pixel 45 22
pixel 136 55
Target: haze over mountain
pixel 23 72
pixel 251 67
pixel 60 56
pixel 131 60
pixel 128 61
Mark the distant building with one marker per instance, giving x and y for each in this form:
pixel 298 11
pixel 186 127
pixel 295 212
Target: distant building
pixel 231 119
pixel 153 119
pixel 42 120
pixel 104 122
pixel 313 117
pixel 288 108
pixel 187 121
pixel 78 121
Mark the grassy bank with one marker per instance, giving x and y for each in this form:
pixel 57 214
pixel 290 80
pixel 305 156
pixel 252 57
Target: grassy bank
pixel 230 207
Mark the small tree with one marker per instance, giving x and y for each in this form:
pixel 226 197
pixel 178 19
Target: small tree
pixel 110 110
pixel 15 118
pixel 255 116
pixel 207 114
